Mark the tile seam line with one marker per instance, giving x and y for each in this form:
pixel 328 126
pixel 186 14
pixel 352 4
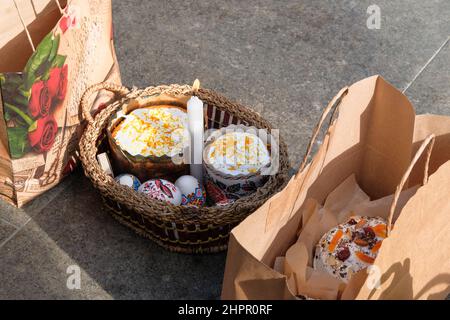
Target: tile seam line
pixel 12 224
pixel 2 244
pixel 426 64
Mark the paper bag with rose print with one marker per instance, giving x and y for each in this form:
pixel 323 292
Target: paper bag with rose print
pixel 50 52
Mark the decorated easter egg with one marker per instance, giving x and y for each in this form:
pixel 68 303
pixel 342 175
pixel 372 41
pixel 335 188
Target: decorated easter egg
pixel 161 189
pixel 217 195
pixel 192 192
pixel 128 180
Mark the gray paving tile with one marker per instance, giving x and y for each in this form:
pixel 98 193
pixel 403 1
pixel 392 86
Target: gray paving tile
pixel 19 216
pixel 32 266
pixel 6 230
pixel 287 58
pixel 13 215
pixel 430 93
pixel 115 262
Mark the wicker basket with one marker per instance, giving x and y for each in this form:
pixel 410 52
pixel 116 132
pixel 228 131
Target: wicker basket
pixel 177 228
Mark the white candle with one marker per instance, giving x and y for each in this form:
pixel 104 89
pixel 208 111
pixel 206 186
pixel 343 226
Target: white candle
pixel 195 122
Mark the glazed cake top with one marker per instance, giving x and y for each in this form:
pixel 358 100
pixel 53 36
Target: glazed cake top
pixel 155 131
pixel 237 153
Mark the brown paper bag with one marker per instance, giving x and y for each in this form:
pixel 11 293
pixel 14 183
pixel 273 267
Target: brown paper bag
pixel 414 261
pixel 372 139
pixel 50 52
pixel 345 201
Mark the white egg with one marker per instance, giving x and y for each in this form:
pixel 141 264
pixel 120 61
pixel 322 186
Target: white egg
pixel 192 192
pixel 161 189
pixel 128 180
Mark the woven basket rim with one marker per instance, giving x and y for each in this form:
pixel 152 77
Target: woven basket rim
pixel 166 212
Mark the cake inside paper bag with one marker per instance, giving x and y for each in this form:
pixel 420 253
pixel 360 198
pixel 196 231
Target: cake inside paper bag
pixel 350 246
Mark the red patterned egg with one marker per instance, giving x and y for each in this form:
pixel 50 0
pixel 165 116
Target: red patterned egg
pixel 161 189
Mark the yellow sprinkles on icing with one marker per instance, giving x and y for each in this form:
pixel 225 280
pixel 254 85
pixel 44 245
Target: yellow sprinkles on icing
pixel 238 153
pixel 156 131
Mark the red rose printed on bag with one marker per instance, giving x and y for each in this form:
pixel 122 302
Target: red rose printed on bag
pixel 57 83
pixel 64 24
pixel 31 98
pixel 42 138
pixel 40 101
pixel 70 18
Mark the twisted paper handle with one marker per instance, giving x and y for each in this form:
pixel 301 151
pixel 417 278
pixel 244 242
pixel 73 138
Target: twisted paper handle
pixel 30 40
pixel 428 144
pixel 333 105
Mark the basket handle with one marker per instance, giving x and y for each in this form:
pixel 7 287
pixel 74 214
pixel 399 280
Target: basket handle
pixel 428 144
pixel 114 88
pixel 333 105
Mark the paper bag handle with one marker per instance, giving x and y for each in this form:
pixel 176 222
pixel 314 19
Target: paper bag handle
pixel 30 40
pixel 333 105
pixel 85 107
pixel 61 10
pixel 428 144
